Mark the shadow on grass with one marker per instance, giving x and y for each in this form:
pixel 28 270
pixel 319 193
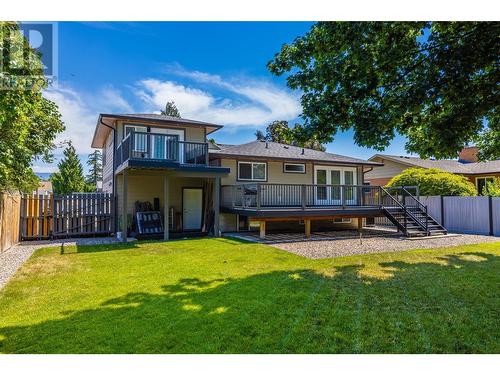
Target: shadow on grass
pixel 449 307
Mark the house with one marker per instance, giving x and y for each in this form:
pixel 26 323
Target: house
pixel 467 165
pixel 160 163
pixel 44 187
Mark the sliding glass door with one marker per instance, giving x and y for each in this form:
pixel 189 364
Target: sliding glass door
pixel 333 193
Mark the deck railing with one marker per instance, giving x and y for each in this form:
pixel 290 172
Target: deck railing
pixel 160 147
pixel 265 195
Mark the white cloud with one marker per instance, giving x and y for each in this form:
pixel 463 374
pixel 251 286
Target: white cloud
pixel 80 111
pixel 250 103
pixel 45 168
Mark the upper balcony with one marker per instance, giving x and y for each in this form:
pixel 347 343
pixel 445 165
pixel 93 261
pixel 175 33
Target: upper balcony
pixel 159 150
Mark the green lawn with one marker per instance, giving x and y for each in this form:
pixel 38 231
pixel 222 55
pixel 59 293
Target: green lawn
pixel 224 296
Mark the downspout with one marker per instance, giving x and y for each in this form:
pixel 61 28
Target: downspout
pixel 114 179
pixel 363 171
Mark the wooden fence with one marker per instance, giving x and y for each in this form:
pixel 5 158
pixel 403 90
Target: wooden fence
pixel 73 215
pixel 10 206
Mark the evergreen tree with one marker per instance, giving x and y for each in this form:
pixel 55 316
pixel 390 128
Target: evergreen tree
pixel 260 136
pixel 70 177
pixel 95 172
pixel 171 110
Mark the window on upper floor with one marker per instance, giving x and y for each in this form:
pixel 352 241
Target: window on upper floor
pixel 252 171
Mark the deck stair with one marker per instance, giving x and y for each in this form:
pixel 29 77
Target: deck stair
pixel 408 214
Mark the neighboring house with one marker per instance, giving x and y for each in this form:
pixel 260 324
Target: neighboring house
pixel 203 187
pixel 44 187
pixel 467 165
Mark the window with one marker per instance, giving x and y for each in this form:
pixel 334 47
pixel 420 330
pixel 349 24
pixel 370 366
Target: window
pixel 481 183
pixel 252 171
pixel 339 220
pixel 294 168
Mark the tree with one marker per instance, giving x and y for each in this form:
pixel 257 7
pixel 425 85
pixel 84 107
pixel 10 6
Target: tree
pixel 434 182
pixel 95 170
pixel 434 82
pixel 279 131
pixel 70 177
pixel 171 110
pixel 259 135
pixel 492 188
pixel 29 122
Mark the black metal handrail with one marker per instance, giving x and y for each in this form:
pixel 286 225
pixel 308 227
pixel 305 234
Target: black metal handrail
pixel 161 147
pixel 421 207
pixel 272 195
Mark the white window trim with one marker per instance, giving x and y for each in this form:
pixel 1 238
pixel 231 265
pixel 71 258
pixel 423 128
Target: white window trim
pixel 344 221
pixel 482 178
pixel 296 164
pixel 252 179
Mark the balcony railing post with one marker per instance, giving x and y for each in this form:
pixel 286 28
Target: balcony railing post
pixel 342 195
pixel 205 149
pixel 233 198
pixel 303 196
pixel 257 197
pixel 149 140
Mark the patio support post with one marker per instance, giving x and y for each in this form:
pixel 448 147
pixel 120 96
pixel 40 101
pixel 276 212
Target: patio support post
pixel 124 206
pixel 216 206
pixel 166 205
pixel 360 225
pixel 307 225
pixel 262 233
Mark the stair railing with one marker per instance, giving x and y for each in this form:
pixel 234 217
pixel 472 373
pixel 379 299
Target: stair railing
pixel 421 207
pixel 405 209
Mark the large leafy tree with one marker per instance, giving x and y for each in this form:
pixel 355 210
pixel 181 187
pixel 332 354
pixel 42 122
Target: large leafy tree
pixel 279 131
pixel 171 110
pixel 94 163
pixel 29 122
pixel 70 176
pixel 434 82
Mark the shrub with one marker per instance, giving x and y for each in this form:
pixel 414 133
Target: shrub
pixel 492 188
pixel 434 182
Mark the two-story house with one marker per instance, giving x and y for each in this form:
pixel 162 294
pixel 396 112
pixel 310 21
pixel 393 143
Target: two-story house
pixel 153 162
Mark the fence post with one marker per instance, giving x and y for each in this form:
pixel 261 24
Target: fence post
pixel 442 210
pixel 490 212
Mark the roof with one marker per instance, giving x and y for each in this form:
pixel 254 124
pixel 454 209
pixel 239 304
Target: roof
pixel 273 150
pixel 101 131
pixel 448 165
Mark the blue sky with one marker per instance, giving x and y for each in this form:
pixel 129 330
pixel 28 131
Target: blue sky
pixel 214 71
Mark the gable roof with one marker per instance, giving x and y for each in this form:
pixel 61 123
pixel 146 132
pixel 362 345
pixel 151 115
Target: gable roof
pixel 448 165
pixel 106 120
pixel 273 150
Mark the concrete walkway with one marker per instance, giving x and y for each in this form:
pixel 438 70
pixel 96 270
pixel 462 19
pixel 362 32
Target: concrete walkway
pixel 13 258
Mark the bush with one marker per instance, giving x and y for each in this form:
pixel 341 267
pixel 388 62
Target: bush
pixel 492 188
pixel 434 182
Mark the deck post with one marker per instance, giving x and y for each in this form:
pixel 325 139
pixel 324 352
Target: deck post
pixel 124 206
pixel 166 204
pixel 307 224
pixel 237 222
pixel 216 207
pixel 303 196
pixel 360 225
pixel 262 233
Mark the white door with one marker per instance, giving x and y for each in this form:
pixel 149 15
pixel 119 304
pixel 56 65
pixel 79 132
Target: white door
pixel 192 201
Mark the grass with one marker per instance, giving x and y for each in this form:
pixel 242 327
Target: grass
pixel 227 296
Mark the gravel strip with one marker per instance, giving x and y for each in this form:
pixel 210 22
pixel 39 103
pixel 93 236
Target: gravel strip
pixel 346 243
pixel 14 258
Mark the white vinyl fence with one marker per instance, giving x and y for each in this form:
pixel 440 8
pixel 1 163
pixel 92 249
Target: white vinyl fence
pixel 473 215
